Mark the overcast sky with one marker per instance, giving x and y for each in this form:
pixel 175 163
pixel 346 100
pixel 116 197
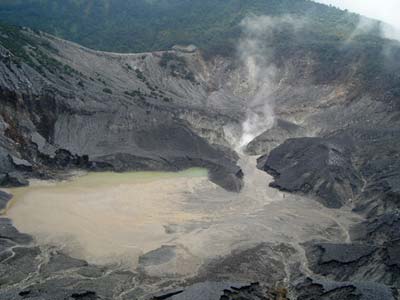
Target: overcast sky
pixel 385 10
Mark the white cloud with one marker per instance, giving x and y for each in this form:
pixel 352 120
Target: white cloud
pixel 384 10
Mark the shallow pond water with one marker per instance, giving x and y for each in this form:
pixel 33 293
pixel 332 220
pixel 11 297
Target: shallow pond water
pixel 106 217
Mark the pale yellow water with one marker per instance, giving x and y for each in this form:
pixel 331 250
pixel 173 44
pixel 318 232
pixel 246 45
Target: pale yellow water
pixel 106 217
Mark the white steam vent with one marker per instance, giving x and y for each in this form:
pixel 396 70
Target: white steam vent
pixel 257 59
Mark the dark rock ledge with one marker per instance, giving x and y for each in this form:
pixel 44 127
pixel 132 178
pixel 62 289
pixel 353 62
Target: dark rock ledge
pixel 4 199
pixel 313 289
pixel 30 272
pixel 358 168
pixel 316 166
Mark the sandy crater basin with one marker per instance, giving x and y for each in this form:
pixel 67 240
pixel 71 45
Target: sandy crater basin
pixel 169 224
pixel 107 217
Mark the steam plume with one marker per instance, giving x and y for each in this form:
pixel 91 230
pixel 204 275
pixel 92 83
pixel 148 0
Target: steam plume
pixel 256 56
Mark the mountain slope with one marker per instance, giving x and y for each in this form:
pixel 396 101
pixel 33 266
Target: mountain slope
pixel 97 110
pixel 333 90
pixel 142 25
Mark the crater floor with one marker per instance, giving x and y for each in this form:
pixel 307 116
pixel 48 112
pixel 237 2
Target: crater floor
pixel 170 225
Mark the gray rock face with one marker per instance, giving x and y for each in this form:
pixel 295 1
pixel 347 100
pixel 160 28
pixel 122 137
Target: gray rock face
pixel 356 164
pixel 19 265
pixel 260 263
pixel 60 263
pixel 365 172
pixel 4 199
pixel 158 256
pixel 9 176
pixel 21 163
pixel 316 166
pixel 379 257
pixel 203 290
pixel 378 156
pixel 106 111
pixel 13 179
pixel 8 232
pixel 29 272
pixel 209 290
pixel 5 162
pixel 270 139
pixel 343 253
pixel 314 289
pixel 378 230
pixel 356 262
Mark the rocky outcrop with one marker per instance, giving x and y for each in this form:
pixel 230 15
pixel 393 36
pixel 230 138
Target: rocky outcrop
pixel 353 166
pixel 378 156
pixel 378 230
pixel 4 199
pixel 331 290
pixel 357 167
pixel 320 167
pixel 273 137
pixel 29 272
pixel 373 254
pixel 224 291
pixel 254 273
pixel 356 262
pixel 204 290
pixel 64 106
pixel 11 234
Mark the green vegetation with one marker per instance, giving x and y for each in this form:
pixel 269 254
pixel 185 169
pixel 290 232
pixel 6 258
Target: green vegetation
pixel 155 94
pixel 153 89
pixel 35 52
pixel 136 94
pixel 367 59
pixel 176 66
pixel 169 57
pixel 212 25
pixel 144 25
pixel 12 39
pixel 139 74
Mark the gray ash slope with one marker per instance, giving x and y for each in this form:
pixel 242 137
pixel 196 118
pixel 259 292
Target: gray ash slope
pixel 64 106
pixel 67 106
pixel 350 158
pixel 356 166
